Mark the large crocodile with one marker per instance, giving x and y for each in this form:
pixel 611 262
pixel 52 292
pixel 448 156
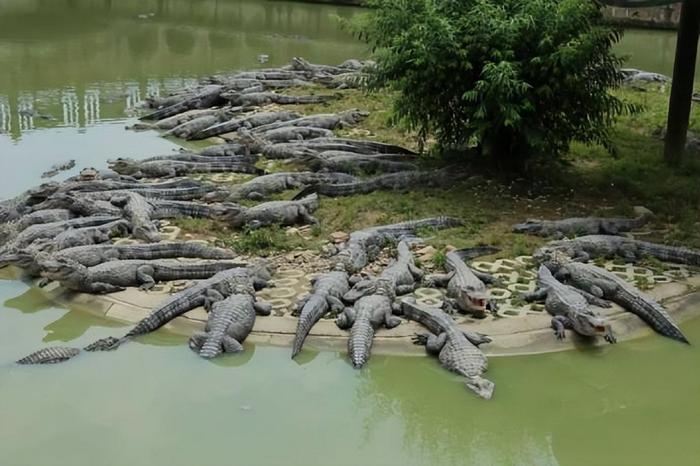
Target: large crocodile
pixel 350 162
pixel 403 180
pixel 466 288
pixel 364 245
pixel 603 284
pixel 116 275
pixel 589 247
pixel 569 307
pixel 244 99
pixel 218 287
pixel 328 289
pixel 357 146
pixel 248 121
pixel 172 168
pixel 229 323
pixel 51 230
pixel 456 349
pixel 401 273
pixel 90 235
pixel 203 98
pixel 365 317
pixel 262 186
pixel 276 213
pixel 323 120
pixel 585 225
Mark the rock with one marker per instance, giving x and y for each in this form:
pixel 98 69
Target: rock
pixel 339 237
pixel 450 248
pixel 427 253
pixel 292 231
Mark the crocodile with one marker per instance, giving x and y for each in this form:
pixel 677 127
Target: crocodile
pixel 569 307
pixel 403 180
pixel 349 162
pixel 585 225
pixel 284 213
pixel 401 273
pixel 250 99
pixel 363 245
pixel 82 204
pixel 138 211
pixel 175 120
pixel 177 189
pixel 221 285
pixel 230 321
pixel 250 121
pixel 588 247
pixel 606 285
pixel 262 186
pixel 326 294
pixel 295 133
pixel 323 120
pixel 50 355
pixel 172 168
pixel 291 150
pixel 189 128
pixel 365 317
pixel 52 229
pixel 42 216
pixel 466 288
pixel 112 276
pixel 207 97
pixel 59 167
pixel 457 350
pixel 201 158
pixel 90 235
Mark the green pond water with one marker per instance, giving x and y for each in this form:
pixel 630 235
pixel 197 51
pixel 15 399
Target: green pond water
pixel 70 73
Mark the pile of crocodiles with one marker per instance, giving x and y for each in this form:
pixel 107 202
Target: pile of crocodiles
pixel 65 231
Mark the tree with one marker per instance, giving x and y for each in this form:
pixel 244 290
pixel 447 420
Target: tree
pixel 509 78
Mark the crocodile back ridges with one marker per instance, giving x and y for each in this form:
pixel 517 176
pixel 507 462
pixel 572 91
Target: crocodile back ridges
pixel 360 341
pixel 234 316
pixel 435 321
pixel 669 253
pixel 460 356
pixel 650 312
pixel 314 308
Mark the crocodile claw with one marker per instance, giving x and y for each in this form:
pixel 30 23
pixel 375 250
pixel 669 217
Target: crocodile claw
pixel 420 339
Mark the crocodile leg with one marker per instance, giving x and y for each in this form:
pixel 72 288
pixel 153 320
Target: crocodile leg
pixel 306 217
pixel 231 345
pixel 438 279
pixel 103 288
pixel 415 271
pixel 591 298
pixel 197 341
pixel 559 323
pixel 144 275
pixel 476 338
pixel 537 295
pixel 262 309
pixel 390 320
pixel 404 289
pixel 434 344
pixel 335 304
pixel 609 335
pixel 485 277
pixel 345 320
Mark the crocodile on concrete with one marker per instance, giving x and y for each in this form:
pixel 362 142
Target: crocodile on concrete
pixel 603 284
pixel 207 97
pixel 570 308
pixel 364 245
pixel 401 273
pixel 585 248
pixel 218 287
pixel 229 323
pixel 365 317
pixel 283 213
pixel 466 288
pixel 456 349
pixel 585 225
pixel 326 294
pixel 116 275
pixel 262 186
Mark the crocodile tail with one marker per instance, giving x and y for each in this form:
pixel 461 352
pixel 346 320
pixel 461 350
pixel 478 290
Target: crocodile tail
pixel 212 346
pixel 51 355
pixel 674 254
pixel 306 192
pixel 312 311
pixel 360 342
pixel 478 251
pixel 481 386
pixel 652 313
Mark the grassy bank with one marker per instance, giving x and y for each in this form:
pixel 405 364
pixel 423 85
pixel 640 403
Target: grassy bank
pixel 590 182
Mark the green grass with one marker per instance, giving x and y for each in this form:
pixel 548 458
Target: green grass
pixel 590 182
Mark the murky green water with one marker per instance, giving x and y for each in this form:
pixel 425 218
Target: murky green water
pixel 153 402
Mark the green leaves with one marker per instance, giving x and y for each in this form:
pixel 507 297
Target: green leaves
pixel 535 72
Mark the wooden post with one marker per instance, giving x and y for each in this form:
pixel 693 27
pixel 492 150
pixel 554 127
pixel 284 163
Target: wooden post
pixel 683 80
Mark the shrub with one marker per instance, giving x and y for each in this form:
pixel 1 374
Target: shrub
pixel 507 78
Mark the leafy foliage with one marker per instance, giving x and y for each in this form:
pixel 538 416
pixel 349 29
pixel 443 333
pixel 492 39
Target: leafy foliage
pixel 510 78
